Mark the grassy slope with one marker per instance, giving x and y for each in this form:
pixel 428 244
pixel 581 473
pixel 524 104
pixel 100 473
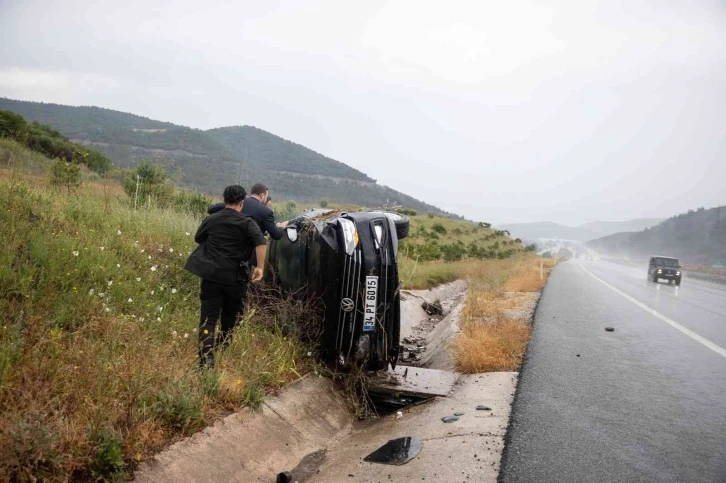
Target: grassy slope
pixel 98 343
pixel 94 376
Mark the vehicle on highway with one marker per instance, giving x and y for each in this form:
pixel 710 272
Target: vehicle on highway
pixel 349 261
pixel 666 268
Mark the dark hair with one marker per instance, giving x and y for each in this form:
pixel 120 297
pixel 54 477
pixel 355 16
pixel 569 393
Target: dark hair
pixel 269 199
pixel 258 189
pixel 234 194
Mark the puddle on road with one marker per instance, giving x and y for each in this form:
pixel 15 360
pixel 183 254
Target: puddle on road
pixel 396 452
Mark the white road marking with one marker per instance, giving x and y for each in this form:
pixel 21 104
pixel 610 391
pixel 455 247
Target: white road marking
pixel 716 348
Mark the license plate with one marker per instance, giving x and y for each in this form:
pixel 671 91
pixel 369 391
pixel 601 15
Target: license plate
pixel 369 320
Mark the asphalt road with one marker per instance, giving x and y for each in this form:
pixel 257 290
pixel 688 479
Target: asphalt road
pixel 644 403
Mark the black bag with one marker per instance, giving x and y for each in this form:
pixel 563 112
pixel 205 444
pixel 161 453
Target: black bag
pixel 243 273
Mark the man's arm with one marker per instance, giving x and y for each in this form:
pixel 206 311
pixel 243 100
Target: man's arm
pixel 202 232
pixel 260 251
pixel 271 228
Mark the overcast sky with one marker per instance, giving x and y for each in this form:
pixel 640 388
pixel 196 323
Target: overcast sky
pixel 506 111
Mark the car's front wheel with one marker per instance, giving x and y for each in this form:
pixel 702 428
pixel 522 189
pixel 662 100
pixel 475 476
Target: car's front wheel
pixel 401 222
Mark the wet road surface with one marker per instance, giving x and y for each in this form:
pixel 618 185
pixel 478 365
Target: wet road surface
pixel 644 403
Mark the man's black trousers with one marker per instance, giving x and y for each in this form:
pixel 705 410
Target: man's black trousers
pixel 229 300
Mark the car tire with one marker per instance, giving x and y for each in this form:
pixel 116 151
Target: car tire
pixel 401 222
pixel 678 282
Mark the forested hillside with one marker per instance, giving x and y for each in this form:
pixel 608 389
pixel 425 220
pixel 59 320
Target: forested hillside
pixel 209 160
pixel 696 237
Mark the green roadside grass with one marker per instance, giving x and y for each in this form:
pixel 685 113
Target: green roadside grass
pixel 98 359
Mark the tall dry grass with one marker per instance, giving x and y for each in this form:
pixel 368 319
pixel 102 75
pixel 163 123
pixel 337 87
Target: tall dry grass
pixel 491 339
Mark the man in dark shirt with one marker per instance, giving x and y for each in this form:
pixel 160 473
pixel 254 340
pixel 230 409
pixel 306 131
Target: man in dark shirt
pixel 263 215
pixel 226 240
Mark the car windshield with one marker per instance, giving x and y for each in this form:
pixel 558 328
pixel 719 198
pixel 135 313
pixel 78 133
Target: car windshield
pixel 667 262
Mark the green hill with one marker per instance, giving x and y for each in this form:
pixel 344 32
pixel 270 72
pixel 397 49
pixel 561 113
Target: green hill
pixel 696 237
pixel 209 160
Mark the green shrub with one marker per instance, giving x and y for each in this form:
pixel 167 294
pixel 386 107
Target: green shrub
pixel 439 228
pixel 428 251
pixel 191 202
pixel 64 174
pixel 108 463
pixel 407 211
pixel 323 203
pixel 148 185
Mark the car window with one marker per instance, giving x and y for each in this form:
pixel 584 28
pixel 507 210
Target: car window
pixel 667 262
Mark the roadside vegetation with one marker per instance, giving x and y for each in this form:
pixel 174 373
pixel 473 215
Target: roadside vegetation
pixel 495 323
pixel 98 341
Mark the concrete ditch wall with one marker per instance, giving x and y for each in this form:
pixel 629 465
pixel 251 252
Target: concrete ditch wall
pixel 302 420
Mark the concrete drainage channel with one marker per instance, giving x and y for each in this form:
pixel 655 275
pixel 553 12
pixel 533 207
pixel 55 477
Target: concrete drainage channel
pixel 306 433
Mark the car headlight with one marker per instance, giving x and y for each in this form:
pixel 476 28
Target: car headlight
pixel 350 235
pixel 678 273
pixel 660 271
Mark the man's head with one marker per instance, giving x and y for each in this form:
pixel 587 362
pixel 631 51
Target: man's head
pixel 234 196
pixel 260 192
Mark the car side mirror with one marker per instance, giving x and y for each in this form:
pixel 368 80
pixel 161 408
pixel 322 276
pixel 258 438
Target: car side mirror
pixel 291 232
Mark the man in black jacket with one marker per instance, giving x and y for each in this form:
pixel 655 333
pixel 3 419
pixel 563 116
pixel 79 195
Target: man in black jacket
pixel 226 240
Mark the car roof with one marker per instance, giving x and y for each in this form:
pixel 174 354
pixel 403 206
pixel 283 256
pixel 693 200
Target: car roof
pixel 660 256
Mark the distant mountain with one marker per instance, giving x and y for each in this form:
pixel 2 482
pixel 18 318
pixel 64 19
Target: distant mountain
pixel 210 160
pixel 696 237
pixel 587 231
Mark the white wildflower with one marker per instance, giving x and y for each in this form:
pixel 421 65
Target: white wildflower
pixel 171 250
pixel 152 292
pixel 75 254
pixel 108 310
pixel 102 248
pixel 173 290
pixel 101 294
pixel 118 265
pixel 153 268
pixel 310 354
pixel 149 257
pixel 194 330
pixel 187 233
pixel 158 319
pixel 138 279
pixel 161 309
pixel 91 292
pixel 131 300
pixel 142 251
pixel 110 282
pixel 141 319
pixel 173 333
pixel 133 316
pixel 186 336
pixel 118 232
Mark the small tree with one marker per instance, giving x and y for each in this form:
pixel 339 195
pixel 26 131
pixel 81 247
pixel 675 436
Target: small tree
pixel 13 126
pixel 64 174
pixel 323 203
pixel 148 182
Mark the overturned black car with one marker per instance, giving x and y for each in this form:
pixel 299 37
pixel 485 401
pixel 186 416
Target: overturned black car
pixel 349 262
